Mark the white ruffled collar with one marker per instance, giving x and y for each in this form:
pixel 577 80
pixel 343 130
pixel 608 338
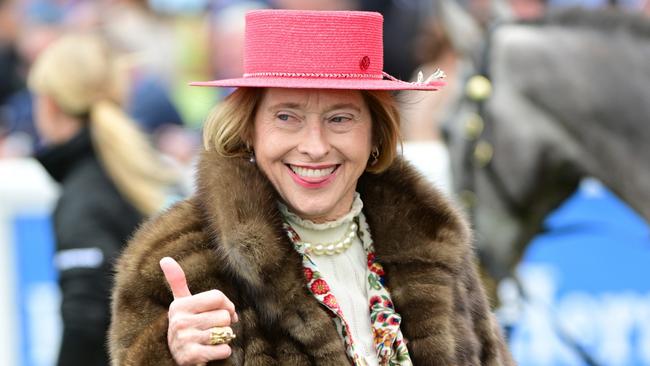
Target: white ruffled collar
pixel 293 219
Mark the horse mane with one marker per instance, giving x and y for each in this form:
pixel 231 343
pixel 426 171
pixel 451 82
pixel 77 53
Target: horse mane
pixel 604 20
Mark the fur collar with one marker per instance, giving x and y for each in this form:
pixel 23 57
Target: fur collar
pixel 419 237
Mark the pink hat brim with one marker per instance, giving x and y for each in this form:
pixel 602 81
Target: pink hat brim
pixel 321 83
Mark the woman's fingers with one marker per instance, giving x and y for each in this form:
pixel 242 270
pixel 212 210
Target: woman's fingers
pixel 182 322
pixel 175 277
pixel 204 301
pixel 215 318
pixel 185 337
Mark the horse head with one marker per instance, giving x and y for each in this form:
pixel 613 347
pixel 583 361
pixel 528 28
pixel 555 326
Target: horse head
pixel 561 99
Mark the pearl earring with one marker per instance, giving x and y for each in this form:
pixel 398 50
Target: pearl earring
pixel 375 156
pixel 251 152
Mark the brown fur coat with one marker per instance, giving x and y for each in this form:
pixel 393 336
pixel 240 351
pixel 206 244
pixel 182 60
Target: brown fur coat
pixel 230 237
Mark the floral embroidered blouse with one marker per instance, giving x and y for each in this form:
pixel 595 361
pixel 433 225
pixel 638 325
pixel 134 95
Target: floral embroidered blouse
pixel 384 344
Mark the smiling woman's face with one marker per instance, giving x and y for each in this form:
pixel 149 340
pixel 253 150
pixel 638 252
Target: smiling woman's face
pixel 313 145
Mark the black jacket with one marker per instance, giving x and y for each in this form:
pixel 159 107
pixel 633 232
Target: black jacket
pixel 92 221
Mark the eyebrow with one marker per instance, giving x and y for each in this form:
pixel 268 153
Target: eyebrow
pixel 289 105
pixel 292 105
pixel 344 106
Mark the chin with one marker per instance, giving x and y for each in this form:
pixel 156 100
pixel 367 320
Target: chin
pixel 312 205
pixel 311 209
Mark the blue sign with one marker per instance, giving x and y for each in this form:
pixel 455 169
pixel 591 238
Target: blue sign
pixel 38 293
pixel 586 284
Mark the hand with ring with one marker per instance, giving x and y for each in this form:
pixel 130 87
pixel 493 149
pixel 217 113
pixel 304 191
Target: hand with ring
pixel 199 325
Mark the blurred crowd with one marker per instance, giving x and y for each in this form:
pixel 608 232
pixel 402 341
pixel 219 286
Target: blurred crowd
pixel 167 43
pixel 164 44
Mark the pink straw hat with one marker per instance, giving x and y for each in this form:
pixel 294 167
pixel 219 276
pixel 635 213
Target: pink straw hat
pixel 317 49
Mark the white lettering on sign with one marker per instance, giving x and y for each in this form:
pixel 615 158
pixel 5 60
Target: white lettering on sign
pixel 614 328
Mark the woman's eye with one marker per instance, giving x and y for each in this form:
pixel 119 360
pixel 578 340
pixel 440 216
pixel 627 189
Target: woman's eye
pixel 283 117
pixel 339 119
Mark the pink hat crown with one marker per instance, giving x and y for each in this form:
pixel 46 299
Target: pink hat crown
pixel 344 43
pixel 317 49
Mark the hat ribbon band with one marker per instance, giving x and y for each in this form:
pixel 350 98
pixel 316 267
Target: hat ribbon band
pixel 433 79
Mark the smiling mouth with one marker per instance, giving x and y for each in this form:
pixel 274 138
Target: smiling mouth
pixel 313 173
pixel 313 177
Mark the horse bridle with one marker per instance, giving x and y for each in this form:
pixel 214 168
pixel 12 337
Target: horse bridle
pixel 478 154
pixel 478 132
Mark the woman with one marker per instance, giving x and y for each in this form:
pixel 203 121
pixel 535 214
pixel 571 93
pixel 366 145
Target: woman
pixel 109 177
pixel 308 241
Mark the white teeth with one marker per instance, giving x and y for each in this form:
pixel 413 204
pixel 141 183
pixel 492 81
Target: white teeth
pixel 312 173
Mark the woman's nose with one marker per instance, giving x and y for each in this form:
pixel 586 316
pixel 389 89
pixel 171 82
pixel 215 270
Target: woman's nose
pixel 314 141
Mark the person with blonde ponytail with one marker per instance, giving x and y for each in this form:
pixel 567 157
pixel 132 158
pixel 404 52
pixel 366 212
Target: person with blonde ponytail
pixel 110 176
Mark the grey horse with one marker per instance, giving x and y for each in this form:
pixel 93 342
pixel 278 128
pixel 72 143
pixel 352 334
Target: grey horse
pixel 570 97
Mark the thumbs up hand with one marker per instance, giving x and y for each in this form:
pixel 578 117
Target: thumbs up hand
pixel 191 318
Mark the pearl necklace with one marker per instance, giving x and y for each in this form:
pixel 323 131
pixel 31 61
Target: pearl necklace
pixel 333 247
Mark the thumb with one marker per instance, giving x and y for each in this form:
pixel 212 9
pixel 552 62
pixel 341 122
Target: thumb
pixel 175 277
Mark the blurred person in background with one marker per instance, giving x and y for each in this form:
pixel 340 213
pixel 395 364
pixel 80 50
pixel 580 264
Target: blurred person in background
pixel 447 40
pixel 133 26
pixel 10 63
pixel 151 40
pixel 404 21
pixel 111 179
pixel 24 32
pixel 226 39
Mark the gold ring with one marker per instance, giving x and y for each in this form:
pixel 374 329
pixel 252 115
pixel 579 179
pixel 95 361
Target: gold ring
pixel 221 335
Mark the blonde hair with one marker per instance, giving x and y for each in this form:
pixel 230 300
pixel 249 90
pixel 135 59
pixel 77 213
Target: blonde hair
pixel 82 76
pixel 229 127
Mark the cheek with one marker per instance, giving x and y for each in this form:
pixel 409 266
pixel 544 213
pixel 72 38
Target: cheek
pixel 267 155
pixel 268 147
pixel 363 145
